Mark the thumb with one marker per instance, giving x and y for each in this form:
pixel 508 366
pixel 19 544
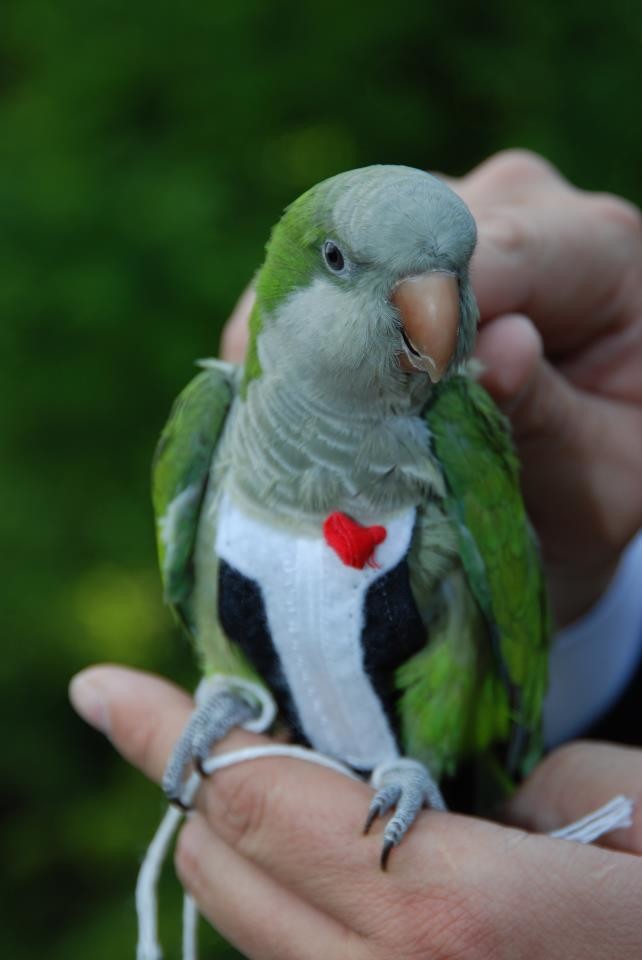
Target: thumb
pixel 523 383
pixel 143 715
pixel 557 431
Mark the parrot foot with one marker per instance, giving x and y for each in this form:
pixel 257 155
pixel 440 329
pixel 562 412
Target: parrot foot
pixel 221 704
pixel 406 785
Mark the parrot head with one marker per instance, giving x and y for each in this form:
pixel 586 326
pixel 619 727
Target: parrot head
pixel 365 288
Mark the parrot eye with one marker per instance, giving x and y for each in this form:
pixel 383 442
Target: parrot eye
pixel 335 261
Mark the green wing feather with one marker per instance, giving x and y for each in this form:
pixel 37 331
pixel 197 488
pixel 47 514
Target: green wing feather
pixel 180 474
pixel 483 673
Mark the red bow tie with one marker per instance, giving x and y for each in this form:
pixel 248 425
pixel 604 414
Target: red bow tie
pixel 354 545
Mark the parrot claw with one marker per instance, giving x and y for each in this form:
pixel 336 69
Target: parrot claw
pixel 406 785
pixel 385 853
pixel 384 800
pixel 209 723
pixel 373 813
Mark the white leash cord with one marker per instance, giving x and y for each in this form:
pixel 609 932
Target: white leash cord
pixel 147 885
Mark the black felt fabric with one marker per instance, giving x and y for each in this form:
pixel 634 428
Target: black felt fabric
pixel 393 632
pixel 241 611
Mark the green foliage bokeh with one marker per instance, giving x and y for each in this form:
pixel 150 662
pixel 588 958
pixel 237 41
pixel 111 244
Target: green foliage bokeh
pixel 145 150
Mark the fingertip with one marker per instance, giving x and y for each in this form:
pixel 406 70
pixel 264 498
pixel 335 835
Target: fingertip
pixel 93 689
pixel 235 333
pixel 86 698
pixel 509 348
pixel 142 714
pixel 501 270
pixel 575 780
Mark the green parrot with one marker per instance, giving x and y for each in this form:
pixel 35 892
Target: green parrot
pixel 340 519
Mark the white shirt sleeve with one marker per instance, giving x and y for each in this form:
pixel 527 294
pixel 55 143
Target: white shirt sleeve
pixel 593 659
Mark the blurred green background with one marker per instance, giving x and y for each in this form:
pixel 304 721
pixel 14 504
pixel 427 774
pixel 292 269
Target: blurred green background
pixel 145 151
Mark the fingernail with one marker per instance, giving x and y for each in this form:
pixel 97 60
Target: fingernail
pixel 88 701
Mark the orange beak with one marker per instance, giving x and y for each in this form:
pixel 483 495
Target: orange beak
pixel 429 309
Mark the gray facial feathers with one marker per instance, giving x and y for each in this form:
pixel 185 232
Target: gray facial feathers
pixel 401 219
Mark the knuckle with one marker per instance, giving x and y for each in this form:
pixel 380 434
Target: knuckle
pixel 519 165
pixel 238 803
pixel 511 233
pixel 619 212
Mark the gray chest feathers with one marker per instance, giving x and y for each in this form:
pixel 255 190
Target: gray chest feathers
pixel 300 461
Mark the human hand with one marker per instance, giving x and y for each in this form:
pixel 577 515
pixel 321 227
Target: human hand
pixel 558 277
pixel 275 858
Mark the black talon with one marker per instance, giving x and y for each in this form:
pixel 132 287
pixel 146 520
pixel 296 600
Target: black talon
pixel 385 853
pixel 209 723
pixel 370 819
